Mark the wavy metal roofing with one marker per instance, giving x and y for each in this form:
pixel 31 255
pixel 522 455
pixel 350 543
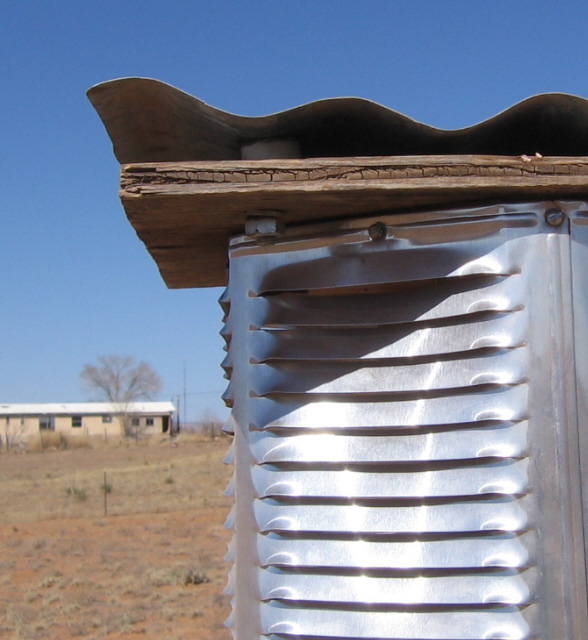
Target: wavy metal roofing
pixel 150 121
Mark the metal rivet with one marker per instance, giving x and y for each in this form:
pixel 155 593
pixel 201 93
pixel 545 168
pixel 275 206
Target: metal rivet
pixel 377 231
pixel 555 217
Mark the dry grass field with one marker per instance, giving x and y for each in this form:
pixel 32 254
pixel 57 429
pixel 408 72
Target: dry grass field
pixel 152 568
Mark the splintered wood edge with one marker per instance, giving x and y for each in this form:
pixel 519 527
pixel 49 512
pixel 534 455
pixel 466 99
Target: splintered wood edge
pixel 316 169
pixel 185 212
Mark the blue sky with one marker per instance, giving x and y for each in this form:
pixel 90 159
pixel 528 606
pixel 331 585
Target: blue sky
pixel 76 281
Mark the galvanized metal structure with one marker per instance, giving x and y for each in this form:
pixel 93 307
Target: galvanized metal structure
pixel 409 404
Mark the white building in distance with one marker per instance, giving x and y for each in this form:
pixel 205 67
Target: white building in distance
pixel 86 418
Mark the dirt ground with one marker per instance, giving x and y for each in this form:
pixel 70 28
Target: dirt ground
pixel 151 568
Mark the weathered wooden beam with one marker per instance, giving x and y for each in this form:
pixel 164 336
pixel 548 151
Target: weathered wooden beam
pixel 185 212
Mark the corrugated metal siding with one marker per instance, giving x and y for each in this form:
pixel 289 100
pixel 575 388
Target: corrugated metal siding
pixel 396 449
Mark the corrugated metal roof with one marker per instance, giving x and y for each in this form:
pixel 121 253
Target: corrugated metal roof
pixel 150 121
pixel 84 408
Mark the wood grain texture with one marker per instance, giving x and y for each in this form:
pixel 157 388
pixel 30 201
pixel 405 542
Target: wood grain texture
pixel 185 212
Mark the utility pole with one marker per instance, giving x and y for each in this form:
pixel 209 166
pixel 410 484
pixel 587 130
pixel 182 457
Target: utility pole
pixel 185 405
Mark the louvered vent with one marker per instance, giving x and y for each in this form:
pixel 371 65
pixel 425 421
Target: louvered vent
pixel 384 429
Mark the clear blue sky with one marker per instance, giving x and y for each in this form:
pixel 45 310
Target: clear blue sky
pixel 76 281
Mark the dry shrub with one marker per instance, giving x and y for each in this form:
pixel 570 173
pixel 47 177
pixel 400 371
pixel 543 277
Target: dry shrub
pixel 194 576
pixel 78 442
pixel 49 440
pixel 54 440
pixel 105 441
pixel 79 494
pixel 178 575
pixel 197 436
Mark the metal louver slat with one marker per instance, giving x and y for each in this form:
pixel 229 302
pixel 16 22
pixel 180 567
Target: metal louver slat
pixel 497 623
pixel 410 258
pixel 504 550
pixel 499 406
pixel 388 342
pixel 492 588
pixel 502 514
pixel 504 478
pixel 509 440
pixel 454 300
pixel 505 368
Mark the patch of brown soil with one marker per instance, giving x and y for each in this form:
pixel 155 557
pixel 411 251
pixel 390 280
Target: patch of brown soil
pixel 152 568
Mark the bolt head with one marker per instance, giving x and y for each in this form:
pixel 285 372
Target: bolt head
pixel 555 218
pixel 377 231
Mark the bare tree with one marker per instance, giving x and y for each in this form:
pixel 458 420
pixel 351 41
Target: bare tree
pixel 122 380
pixel 14 430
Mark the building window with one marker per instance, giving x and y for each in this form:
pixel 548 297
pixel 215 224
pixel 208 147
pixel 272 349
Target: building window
pixel 136 422
pixel 107 418
pixel 47 423
pixel 76 421
pixel 149 422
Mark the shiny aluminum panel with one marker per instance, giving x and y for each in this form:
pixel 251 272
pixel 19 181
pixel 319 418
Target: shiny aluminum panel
pixel 487 588
pixel 454 300
pixel 509 440
pixel 388 342
pixel 505 368
pixel 579 254
pixel 504 405
pixel 412 253
pixel 503 514
pixel 505 551
pixel 495 623
pixel 507 477
pixel 404 446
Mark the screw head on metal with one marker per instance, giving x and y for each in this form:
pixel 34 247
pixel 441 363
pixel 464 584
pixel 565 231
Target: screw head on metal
pixel 377 231
pixel 555 217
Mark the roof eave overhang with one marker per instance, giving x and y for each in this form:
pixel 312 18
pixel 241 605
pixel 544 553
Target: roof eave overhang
pixel 186 212
pixel 186 190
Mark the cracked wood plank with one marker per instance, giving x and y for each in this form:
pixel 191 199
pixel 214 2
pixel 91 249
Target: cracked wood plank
pixel 347 169
pixel 185 212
